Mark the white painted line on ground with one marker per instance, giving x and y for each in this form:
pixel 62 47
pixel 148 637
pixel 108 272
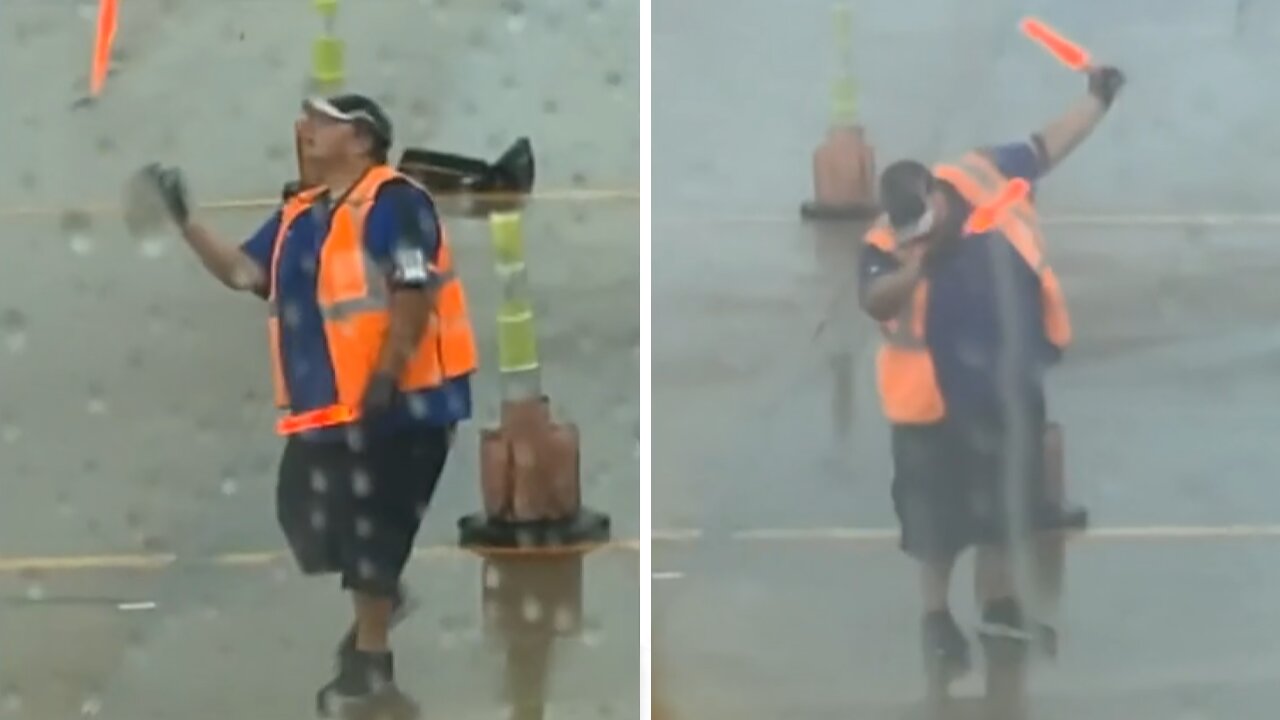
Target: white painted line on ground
pixel 669 575
pixel 1058 220
pixel 677 535
pixel 1142 532
pixel 134 606
pixel 831 533
pixel 1171 532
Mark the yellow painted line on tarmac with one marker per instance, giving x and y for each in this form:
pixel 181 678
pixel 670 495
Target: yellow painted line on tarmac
pixel 247 558
pixel 86 562
pixel 160 561
pixel 684 536
pixel 579 195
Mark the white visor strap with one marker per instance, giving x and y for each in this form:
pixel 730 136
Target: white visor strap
pixel 916 229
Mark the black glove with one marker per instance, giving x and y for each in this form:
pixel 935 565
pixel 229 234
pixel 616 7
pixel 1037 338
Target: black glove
pixel 172 190
pixel 379 396
pixel 1105 83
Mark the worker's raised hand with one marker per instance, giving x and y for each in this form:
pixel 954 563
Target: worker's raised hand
pixel 172 190
pixel 1105 82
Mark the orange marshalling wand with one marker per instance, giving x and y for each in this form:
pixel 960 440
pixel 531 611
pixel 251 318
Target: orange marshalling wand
pixel 984 218
pixel 1067 52
pixel 102 41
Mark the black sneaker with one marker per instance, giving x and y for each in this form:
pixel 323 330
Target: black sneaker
pixel 363 677
pixel 946 651
pixel 1004 619
pixel 402 606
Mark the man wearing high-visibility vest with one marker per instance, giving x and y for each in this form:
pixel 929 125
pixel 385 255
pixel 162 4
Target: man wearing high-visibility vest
pixel 371 349
pixel 970 321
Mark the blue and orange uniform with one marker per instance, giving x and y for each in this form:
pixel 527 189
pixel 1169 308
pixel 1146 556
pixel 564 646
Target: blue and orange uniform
pixel 400 214
pixel 983 325
pixel 353 502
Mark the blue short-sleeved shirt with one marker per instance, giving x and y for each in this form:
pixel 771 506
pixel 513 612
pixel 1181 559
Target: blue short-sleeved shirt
pixel 963 320
pixel 400 214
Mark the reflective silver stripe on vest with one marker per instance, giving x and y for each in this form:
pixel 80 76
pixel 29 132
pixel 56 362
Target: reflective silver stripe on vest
pixel 377 299
pixel 345 309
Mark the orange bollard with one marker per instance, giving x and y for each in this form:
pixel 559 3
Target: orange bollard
pixel 844 175
pixel 529 465
pixel 530 469
pixel 530 485
pixel 844 165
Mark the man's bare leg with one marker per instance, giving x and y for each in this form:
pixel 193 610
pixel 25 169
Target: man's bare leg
pixel 373 621
pixel 369 667
pixel 992 575
pixel 946 651
pixel 935 584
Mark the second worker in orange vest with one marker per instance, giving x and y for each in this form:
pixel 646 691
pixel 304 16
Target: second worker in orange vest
pixel 371 352
pixel 970 321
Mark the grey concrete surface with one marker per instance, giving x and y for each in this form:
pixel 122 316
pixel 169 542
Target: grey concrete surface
pixel 814 630
pixel 135 416
pixel 1166 397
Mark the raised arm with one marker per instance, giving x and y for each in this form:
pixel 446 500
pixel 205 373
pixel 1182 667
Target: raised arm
pixel 242 267
pixel 1056 140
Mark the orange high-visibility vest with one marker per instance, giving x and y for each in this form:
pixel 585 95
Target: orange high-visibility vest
pixel 909 392
pixel 354 300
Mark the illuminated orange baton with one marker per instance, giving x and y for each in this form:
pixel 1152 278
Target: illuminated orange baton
pixel 102 41
pixel 985 217
pixel 1067 52
pixel 315 419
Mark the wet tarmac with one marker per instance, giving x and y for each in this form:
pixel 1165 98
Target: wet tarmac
pixel 778 589
pixel 138 568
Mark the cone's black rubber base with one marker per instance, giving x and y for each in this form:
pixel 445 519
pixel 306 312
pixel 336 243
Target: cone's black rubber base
pixel 1076 518
pixel 1067 518
pixel 588 527
pixel 858 211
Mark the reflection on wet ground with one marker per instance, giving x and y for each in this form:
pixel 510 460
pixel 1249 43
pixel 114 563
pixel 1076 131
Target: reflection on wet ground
pixel 521 636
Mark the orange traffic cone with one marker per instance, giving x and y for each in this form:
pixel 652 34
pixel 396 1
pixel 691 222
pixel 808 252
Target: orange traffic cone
pixel 844 174
pixel 844 166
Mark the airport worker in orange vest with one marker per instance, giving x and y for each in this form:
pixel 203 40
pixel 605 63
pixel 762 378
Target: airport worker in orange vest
pixel 971 319
pixel 372 352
